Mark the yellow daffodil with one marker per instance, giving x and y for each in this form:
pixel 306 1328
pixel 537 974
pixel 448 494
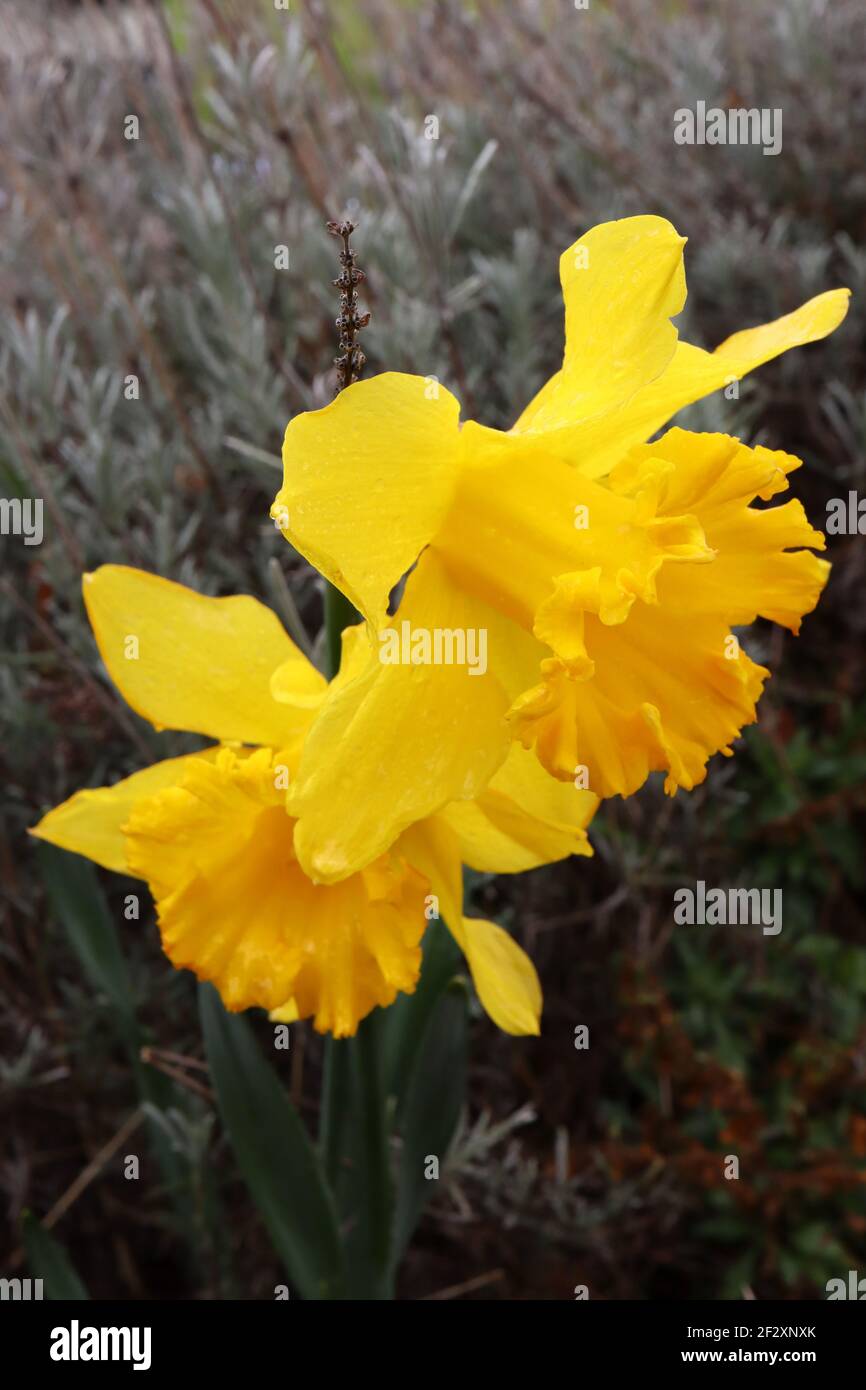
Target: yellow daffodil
pixel 212 834
pixel 605 572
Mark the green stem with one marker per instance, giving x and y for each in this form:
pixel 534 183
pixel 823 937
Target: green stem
pixel 377 1175
pixel 339 613
pixel 334 1109
pixel 353 1094
pixel 336 1081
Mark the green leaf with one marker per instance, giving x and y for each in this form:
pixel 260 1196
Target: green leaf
pixel 274 1153
pixel 366 1084
pixel 405 1022
pixel 434 1098
pixel 366 1191
pixel 354 1141
pixel 78 902
pixel 48 1260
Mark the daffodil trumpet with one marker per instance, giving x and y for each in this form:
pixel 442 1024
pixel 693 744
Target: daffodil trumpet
pixel 212 833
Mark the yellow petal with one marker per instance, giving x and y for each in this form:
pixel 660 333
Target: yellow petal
pixel 401 739
pixel 366 482
pixel 815 319
pixel 286 1013
pixel 524 818
pixel 594 446
pixel 90 822
pixel 235 907
pixel 504 976
pixel 664 696
pixel 432 848
pixel 185 661
pixel 621 282
pixel 761 568
pixel 539 542
pixel 355 653
pixel 670 686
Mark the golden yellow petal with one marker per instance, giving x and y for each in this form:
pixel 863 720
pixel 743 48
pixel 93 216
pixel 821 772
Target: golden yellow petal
pixel 91 821
pixel 235 907
pixel 670 686
pixel 504 976
pixel 534 539
pixel 663 697
pixel 355 653
pixel 286 1013
pixel 622 282
pixel 366 483
pixel 522 819
pixel 761 566
pixel 185 661
pixel 402 739
pixel 594 446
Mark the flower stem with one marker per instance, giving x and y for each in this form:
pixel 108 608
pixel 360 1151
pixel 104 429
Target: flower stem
pixel 334 1108
pixel 339 614
pixel 352 1089
pixel 377 1185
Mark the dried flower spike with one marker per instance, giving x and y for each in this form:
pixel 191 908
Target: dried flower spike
pixel 350 362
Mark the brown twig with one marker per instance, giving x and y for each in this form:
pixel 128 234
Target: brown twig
pixel 158 1059
pixel 468 1286
pixel 151 1055
pixel 85 1178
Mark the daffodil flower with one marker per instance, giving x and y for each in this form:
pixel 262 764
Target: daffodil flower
pixel 606 571
pixel 212 835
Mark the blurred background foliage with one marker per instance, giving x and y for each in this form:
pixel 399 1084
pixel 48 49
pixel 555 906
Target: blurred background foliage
pixel 155 258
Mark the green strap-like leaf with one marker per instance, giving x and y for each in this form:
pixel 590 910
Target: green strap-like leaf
pixel 406 1021
pixel 77 900
pixel 274 1153
pixel 353 1139
pixel 48 1261
pixel 434 1096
